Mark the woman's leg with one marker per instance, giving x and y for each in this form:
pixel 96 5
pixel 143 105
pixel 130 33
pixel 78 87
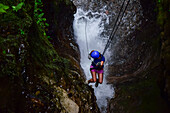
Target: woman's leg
pixel 100 78
pixel 93 73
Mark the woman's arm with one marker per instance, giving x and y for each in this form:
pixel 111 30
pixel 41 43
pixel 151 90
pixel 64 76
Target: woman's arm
pixel 103 60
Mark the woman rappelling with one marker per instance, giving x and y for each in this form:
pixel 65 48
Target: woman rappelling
pixel 96 67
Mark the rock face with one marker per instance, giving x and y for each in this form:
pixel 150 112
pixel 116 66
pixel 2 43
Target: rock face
pixel 39 73
pixel 60 17
pixel 164 77
pixel 69 105
pixel 144 87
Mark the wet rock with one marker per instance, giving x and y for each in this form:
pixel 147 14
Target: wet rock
pixel 39 74
pixel 69 105
pixel 143 87
pixel 60 19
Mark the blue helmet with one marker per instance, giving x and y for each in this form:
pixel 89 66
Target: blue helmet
pixel 95 54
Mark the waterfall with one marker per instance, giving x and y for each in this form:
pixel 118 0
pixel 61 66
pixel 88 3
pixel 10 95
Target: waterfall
pixel 95 19
pixel 91 24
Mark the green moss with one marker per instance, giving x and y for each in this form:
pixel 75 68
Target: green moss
pixel 23 45
pixel 30 63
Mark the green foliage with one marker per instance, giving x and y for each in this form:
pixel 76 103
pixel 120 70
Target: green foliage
pixel 18 7
pixel 3 8
pixel 162 9
pixel 36 59
pixel 47 24
pixel 49 37
pixel 38 15
pixel 161 16
pixel 4 52
pixel 22 32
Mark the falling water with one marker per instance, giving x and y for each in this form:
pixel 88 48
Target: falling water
pixel 90 25
pixel 94 20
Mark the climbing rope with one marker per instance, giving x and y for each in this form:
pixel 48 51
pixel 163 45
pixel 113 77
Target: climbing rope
pixel 87 41
pixel 86 36
pixel 116 27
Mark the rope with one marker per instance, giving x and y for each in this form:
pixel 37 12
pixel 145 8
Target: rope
pixel 86 36
pixel 87 40
pixel 116 27
pixel 113 28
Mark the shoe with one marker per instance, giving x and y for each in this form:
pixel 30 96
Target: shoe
pixel 97 83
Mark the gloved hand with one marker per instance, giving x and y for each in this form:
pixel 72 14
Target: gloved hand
pixel 99 67
pixel 98 64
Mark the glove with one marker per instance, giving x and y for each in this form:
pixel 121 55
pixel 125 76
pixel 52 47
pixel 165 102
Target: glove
pixel 98 64
pixel 99 67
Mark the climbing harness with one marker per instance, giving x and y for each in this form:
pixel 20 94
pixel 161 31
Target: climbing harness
pixel 116 27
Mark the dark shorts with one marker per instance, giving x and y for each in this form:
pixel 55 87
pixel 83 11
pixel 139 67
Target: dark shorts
pixel 95 70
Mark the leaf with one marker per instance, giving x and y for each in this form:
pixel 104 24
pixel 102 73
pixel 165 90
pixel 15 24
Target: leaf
pixel 13 7
pixel 6 7
pixel 50 38
pixel 18 7
pixel 4 52
pixel 44 19
pixel 3 8
pixel 22 33
pixel 44 33
pixel 41 24
pixel 47 24
pixel 36 3
pixel 40 15
pixel 2 11
pixel 38 21
pixel 40 9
